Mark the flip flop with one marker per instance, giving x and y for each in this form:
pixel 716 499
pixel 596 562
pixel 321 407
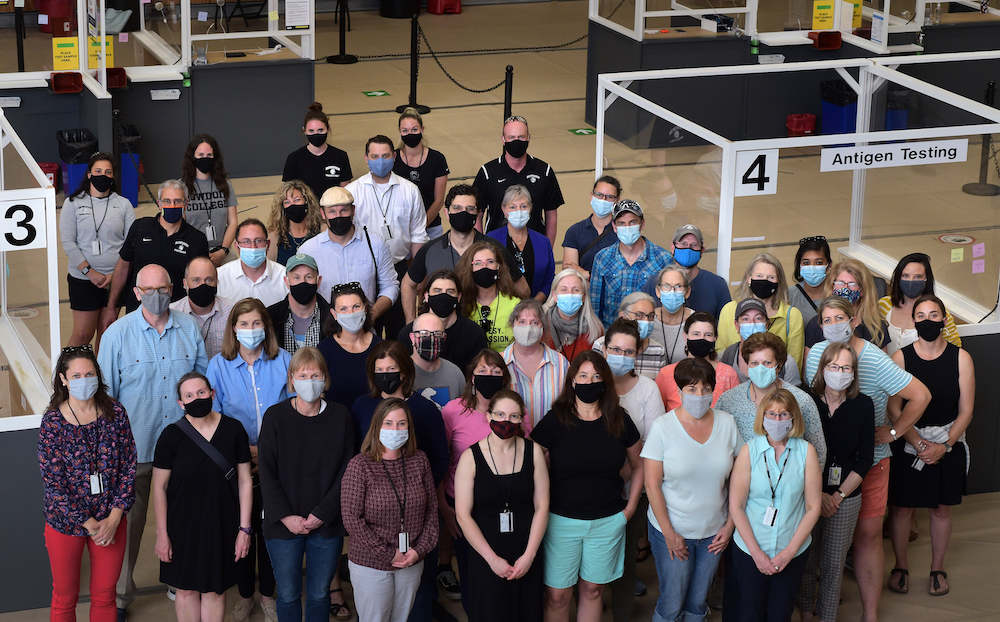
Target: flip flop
pixel 902 587
pixel 936 583
pixel 643 553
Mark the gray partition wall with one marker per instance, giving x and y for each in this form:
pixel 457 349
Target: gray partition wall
pixel 42 113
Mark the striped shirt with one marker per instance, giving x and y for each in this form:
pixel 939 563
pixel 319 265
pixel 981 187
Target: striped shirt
pixel 878 378
pixel 539 391
pixel 612 277
pixel 649 362
pixel 213 324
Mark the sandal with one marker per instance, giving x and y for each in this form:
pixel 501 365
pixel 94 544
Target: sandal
pixel 643 553
pixel 935 589
pixel 340 611
pixel 901 587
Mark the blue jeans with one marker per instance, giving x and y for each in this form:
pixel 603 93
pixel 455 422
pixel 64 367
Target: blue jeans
pixel 684 585
pixel 322 556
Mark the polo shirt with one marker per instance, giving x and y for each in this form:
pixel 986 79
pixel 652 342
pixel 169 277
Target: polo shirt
pixel 394 210
pixel 269 288
pixel 148 243
pixel 709 292
pixel 330 168
pixel 496 176
pixel 612 278
pixel 581 234
pixel 372 267
pixel 438 254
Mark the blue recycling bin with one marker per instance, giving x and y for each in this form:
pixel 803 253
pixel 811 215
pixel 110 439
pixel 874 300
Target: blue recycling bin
pixel 897 110
pixel 130 166
pixel 72 176
pixel 839 107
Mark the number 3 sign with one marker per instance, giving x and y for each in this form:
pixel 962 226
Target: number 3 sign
pixel 22 224
pixel 756 173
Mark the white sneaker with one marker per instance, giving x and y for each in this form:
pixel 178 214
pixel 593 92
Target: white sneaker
pixel 171 593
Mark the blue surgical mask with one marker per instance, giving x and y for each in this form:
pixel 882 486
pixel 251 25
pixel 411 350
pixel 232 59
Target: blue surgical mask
pixel 380 167
pixel 393 439
pixel 250 337
pixel 601 207
pixel 813 275
pixel 569 304
pixel 629 235
pixel 519 218
pixel 762 376
pixel 645 328
pixel 687 257
pixel 671 300
pixel 83 388
pixel 253 257
pixel 752 328
pixel 621 364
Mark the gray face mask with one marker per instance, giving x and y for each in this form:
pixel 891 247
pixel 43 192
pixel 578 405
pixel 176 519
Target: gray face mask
pixel 777 430
pixel 309 389
pixel 838 333
pixel 155 302
pixel 83 388
pixel 696 405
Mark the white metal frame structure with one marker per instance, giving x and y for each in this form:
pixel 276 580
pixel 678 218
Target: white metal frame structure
pixel 678 9
pixel 873 73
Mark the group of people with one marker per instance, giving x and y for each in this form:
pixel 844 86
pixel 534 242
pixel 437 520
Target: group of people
pixel 445 398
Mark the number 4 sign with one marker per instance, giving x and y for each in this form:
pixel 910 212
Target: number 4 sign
pixel 756 173
pixel 22 224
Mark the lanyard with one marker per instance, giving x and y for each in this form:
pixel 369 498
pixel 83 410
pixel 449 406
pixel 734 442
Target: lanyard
pixel 774 487
pixel 91 453
pixel 506 491
pixel 107 208
pixel 663 331
pixel 388 202
pixel 400 502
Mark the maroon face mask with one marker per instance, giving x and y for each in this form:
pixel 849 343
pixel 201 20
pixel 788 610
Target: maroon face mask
pixel 505 429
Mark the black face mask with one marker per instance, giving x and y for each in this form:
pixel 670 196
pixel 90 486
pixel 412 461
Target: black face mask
pixel 412 140
pixel 487 385
pixel 101 183
pixel 316 139
pixel 341 225
pixel 303 292
pixel 589 393
pixel 700 348
pixel 762 288
pixel 485 277
pixel 296 213
pixel 205 165
pixel 442 305
pixel 463 222
pixel 199 408
pixel 203 295
pixel 516 148
pixel 389 381
pixel 928 330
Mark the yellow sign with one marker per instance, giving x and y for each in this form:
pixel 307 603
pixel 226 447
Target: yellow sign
pixel 94 53
pixel 822 15
pixel 64 53
pixel 857 15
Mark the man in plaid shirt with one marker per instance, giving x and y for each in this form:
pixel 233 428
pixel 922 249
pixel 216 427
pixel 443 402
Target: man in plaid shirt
pixel 299 317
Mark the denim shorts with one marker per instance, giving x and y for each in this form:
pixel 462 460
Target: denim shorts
pixel 592 550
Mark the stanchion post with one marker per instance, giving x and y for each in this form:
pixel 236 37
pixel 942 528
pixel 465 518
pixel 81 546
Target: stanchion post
pixel 19 34
pixel 508 92
pixel 414 68
pixel 343 58
pixel 982 188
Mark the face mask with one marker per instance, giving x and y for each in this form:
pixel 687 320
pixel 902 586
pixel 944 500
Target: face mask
pixel 203 295
pixel 645 328
pixel 527 336
pixel 199 408
pixel 505 429
pixel 813 275
pixel 601 207
pixel 250 337
pixel 519 218
pixel 589 393
pixel 628 235
pixel 700 348
pixel 393 439
pixel 303 293
pixel 341 225
pixel 928 330
pixel 101 183
pixel 411 140
pixel 516 148
pixel 204 165
pixel 463 222
pixel 172 214
pixel 696 405
pixel 849 295
pixel 388 381
pixel 485 277
pixel 687 257
pixel 910 289
pixel 380 167
pixel 84 388
pixel 762 376
pixel 762 288
pixel 752 328
pixel 316 139
pixel 569 304
pixel 253 257
pixel 837 380
pixel 429 347
pixel 309 389
pixel 669 202
pixel 352 322
pixel 671 300
pixel 443 304
pixel 620 364
pixel 777 430
pixel 296 213
pixel 838 333
pixel 155 302
pixel 487 385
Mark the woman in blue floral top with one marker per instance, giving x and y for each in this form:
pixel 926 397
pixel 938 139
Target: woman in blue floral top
pixel 87 457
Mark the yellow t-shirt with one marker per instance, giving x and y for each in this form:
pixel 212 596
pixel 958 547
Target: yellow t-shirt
pixel 495 316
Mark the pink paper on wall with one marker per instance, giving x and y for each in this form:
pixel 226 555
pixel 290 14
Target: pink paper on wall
pixel 978 266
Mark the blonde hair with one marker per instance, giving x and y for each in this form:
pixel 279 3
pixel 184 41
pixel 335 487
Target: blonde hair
pixel 279 224
pixel 411 113
pixel 780 296
pixel 784 398
pixel 304 357
pixel 867 305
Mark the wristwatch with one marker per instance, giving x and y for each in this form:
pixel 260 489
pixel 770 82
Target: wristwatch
pixel 86 270
pixel 947 447
pixel 247 530
pixel 841 493
pixel 892 431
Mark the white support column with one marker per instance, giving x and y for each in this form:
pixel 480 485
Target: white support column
pixel 727 192
pixel 860 180
pixel 601 107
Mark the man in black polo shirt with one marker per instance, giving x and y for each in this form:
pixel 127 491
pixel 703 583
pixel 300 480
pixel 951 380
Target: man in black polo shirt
pixel 515 166
pixel 167 240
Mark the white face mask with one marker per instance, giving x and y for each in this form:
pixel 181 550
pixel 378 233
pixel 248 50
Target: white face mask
pixel 837 380
pixel 309 389
pixel 526 335
pixel 696 405
pixel 393 439
pixel 83 388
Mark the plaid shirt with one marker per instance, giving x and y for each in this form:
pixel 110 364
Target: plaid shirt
pixel 313 333
pixel 213 325
pixel 612 278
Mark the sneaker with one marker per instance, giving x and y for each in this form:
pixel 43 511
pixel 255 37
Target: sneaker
pixel 241 612
pixel 640 588
pixel 449 585
pixel 270 610
pixel 172 594
pixel 121 614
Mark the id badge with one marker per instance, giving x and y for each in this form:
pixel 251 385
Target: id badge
pixel 386 232
pixel 918 464
pixel 404 542
pixel 96 483
pixel 210 232
pixel 507 522
pixel 95 247
pixel 770 514
pixel 833 477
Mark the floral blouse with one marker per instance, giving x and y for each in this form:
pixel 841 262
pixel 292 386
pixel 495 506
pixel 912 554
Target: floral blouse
pixel 65 457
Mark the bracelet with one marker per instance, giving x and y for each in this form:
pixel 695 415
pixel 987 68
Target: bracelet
pixel 247 530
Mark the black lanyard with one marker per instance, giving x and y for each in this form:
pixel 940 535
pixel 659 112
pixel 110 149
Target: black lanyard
pixel 774 487
pixel 107 208
pixel 401 502
pixel 506 491
pixel 663 331
pixel 91 452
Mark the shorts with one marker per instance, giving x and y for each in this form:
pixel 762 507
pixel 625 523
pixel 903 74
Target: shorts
pixel 875 491
pixel 592 550
pixel 85 296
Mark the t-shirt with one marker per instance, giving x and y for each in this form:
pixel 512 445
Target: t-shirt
pixel 581 234
pixel 694 474
pixel 495 315
pixel 438 254
pixel 440 386
pixel 643 404
pixel 496 176
pixel 321 172
pixel 147 242
pixel 465 340
pixel 584 462
pixel 672 339
pixel 806 306
pixel 207 205
pixel 424 176
pixel 709 292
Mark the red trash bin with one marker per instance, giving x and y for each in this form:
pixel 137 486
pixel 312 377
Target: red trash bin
pixel 800 124
pixel 62 12
pixel 51 170
pixel 440 7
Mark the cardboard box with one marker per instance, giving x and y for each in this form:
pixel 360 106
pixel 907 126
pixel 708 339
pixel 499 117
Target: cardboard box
pixel 12 401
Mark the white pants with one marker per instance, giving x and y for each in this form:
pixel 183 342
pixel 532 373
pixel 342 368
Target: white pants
pixel 385 595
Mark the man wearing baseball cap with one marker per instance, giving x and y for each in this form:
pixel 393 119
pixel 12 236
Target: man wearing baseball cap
pixel 709 291
pixel 751 317
pixel 298 319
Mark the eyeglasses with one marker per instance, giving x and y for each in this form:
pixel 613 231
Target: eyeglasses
pixel 254 243
pixel 694 247
pixel 673 288
pixel 455 208
pixel 515 118
pixel 489 263
pixel 851 285
pixel 639 316
pixel 353 286
pixel 619 352
pixel 440 334
pixel 484 318
pixel 172 202
pixel 813 238
pixel 74 349
pixel 512 417
pixel 605 197
pixel 782 416
pixel 834 367
pixel 149 290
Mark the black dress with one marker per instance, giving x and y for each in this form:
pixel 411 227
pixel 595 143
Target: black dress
pixel 936 484
pixel 490 597
pixel 203 514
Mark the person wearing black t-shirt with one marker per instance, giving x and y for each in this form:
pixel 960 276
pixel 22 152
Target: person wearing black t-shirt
pixel 318 164
pixel 167 240
pixel 515 166
pixel 425 167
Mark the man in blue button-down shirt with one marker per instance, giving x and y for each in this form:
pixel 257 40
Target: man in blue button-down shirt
pixel 142 357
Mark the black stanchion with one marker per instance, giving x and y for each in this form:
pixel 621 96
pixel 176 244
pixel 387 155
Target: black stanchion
pixel 508 92
pixel 414 68
pixel 982 188
pixel 20 35
pixel 343 58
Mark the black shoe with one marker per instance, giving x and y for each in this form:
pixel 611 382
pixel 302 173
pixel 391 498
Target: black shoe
pixel 449 584
pixel 640 588
pixel 121 614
